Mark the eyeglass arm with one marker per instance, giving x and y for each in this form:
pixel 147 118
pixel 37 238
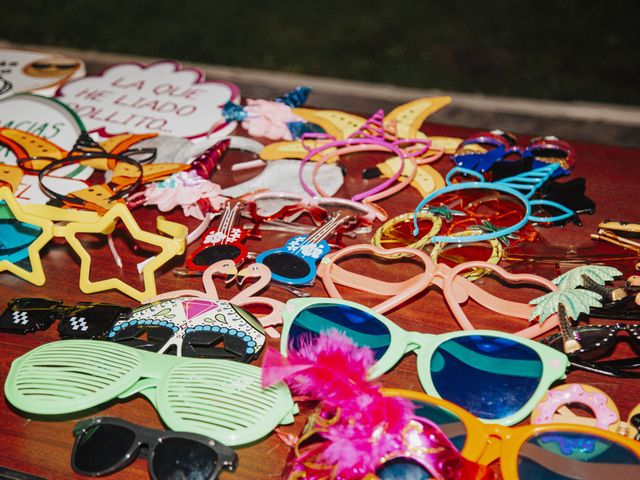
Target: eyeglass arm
pixel 604 370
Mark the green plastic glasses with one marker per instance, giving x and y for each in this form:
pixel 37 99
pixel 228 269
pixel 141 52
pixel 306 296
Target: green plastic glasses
pixel 496 376
pixel 218 398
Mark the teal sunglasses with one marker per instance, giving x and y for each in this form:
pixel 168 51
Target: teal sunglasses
pixel 496 376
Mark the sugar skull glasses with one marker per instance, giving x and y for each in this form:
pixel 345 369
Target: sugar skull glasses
pixel 192 327
pixel 505 375
pixel 551 451
pixel 217 398
pixel 104 445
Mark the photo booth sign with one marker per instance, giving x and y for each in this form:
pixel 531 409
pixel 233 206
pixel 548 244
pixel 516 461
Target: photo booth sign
pixel 162 97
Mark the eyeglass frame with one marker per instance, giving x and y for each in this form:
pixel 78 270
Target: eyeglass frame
pixel 425 345
pixel 492 442
pixel 227 458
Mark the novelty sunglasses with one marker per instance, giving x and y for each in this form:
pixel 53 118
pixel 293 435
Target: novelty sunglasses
pixel 266 206
pixel 598 343
pixel 422 447
pixel 89 320
pixel 518 189
pixel 456 288
pixel 504 375
pixel 468 212
pixel 481 151
pixel 549 451
pixel 28 228
pixel 104 445
pixel 217 398
pixel 397 233
pixel 192 327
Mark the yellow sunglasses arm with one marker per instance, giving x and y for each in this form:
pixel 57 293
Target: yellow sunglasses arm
pixel 176 231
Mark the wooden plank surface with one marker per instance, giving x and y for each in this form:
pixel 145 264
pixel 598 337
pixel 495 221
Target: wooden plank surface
pixel 42 446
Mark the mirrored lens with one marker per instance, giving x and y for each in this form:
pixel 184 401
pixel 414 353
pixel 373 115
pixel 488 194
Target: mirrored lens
pixel 179 458
pixel 448 422
pixel 102 447
pixel 491 377
pixel 402 469
pixel 571 455
pixel 361 327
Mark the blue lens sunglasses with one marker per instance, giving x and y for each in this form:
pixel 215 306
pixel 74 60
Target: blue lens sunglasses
pixel 496 376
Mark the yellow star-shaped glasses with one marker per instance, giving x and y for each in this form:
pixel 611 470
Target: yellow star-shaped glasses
pixel 169 247
pixel 72 222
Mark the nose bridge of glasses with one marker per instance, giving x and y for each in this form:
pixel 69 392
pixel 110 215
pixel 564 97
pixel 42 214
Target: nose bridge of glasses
pixel 416 340
pixel 495 436
pixel 144 386
pixel 153 368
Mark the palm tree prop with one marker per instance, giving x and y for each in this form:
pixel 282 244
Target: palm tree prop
pixel 591 277
pixel 569 304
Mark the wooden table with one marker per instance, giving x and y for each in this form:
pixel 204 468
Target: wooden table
pixel 42 447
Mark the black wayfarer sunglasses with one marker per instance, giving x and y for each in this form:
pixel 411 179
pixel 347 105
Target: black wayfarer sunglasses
pixel 104 445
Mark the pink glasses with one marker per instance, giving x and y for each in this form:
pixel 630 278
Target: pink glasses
pixel 457 290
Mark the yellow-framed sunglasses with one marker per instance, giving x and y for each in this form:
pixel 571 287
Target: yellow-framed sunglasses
pixel 398 232
pixel 549 452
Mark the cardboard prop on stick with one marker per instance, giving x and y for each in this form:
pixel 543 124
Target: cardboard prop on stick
pixel 45 118
pixel 162 98
pixel 22 71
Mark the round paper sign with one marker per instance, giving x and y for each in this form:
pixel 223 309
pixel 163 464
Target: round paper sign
pixel 47 118
pixel 22 71
pixel 162 97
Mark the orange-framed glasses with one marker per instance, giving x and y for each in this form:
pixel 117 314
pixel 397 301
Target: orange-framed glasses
pixel 549 451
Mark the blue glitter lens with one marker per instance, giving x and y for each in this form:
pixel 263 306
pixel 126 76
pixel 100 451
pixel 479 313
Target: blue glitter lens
pixel 448 422
pixel 491 377
pixel 402 469
pixel 15 238
pixel 363 328
pixel 570 455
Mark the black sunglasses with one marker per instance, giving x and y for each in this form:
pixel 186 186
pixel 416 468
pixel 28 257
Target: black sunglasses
pixel 104 445
pixel 88 320
pixel 627 308
pixel 597 343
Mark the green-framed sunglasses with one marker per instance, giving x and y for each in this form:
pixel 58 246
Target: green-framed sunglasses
pixel 218 398
pixel 497 376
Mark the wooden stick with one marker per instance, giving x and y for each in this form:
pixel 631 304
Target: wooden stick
pixel 615 241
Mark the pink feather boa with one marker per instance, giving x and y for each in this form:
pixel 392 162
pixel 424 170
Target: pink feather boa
pixel 333 370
